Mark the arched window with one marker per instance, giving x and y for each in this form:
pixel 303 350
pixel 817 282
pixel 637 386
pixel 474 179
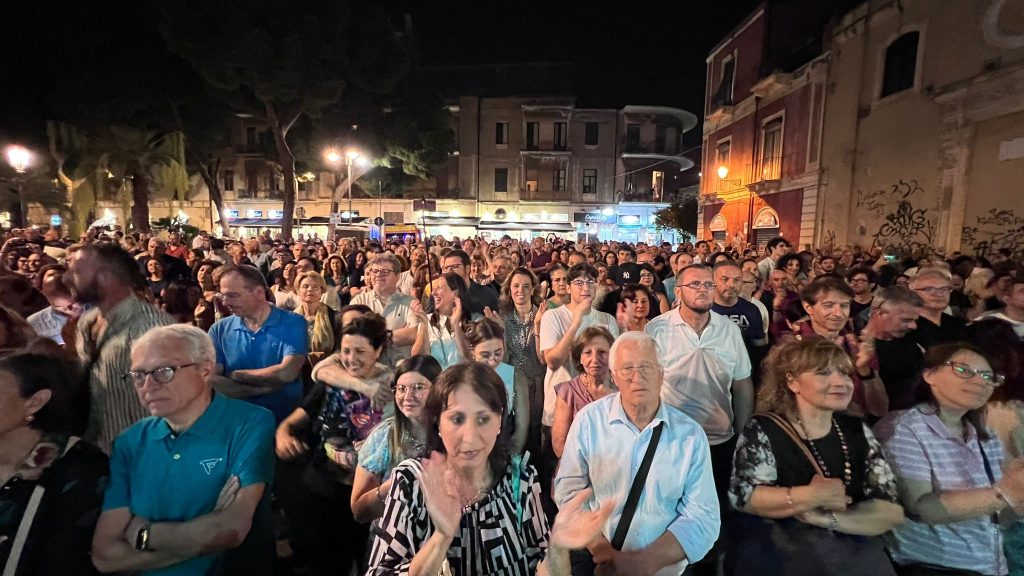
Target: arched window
pixel 900 64
pixel 718 227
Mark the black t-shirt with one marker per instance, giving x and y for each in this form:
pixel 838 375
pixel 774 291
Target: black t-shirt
pixel 900 362
pixel 628 273
pixel 747 317
pixel 479 297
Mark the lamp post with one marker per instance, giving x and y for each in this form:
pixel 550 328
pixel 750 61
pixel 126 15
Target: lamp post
pixel 350 157
pixel 333 158
pixel 20 159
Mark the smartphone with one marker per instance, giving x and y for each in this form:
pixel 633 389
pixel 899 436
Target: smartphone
pixel 890 258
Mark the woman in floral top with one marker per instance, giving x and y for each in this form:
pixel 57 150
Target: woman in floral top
pixel 52 483
pixel 813 490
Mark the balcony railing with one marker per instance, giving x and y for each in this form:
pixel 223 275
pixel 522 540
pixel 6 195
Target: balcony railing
pixel 767 169
pixel 545 195
pixel 249 194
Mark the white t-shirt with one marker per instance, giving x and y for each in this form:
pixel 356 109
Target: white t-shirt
pixel 553 326
pixel 397 313
pixel 1018 327
pixel 700 370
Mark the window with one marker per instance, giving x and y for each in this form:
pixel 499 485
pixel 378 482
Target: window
pixel 561 135
pixel 900 64
pixel 394 217
pixel 531 179
pixel 590 181
pixel 229 180
pixel 659 138
pixel 723 95
pixel 532 135
pixel 250 139
pixel 771 150
pixel 501 179
pixel 590 136
pixel 501 133
pixel 722 153
pixel 632 183
pixel 558 179
pixel 657 185
pixel 273 182
pixel 632 138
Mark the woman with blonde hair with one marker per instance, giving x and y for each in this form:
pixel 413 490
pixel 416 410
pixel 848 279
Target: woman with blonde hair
pixel 813 491
pixel 323 323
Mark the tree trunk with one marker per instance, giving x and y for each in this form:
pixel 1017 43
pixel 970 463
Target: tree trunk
pixel 140 201
pixel 286 160
pixel 207 174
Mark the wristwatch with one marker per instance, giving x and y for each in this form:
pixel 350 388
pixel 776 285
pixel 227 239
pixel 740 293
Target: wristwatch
pixel 142 539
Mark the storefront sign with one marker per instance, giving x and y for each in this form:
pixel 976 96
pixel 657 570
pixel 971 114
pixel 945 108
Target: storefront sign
pixel 254 213
pixel 232 213
pixel 593 218
pixel 629 220
pixel 277 214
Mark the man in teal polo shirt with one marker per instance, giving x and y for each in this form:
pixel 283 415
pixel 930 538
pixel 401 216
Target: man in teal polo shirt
pixel 260 349
pixel 189 485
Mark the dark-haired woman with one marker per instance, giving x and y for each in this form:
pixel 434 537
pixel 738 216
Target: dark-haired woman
pixel 954 479
pixel 470 508
pixel 402 436
pixel 52 482
pixel 319 443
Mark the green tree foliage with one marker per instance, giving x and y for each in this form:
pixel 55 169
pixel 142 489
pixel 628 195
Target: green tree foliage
pixel 284 60
pixel 678 216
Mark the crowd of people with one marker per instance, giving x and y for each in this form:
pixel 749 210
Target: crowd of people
pixel 205 405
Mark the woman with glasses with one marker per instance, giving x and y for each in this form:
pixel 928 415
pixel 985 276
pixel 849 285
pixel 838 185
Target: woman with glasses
pixel 402 436
pixel 954 479
pixel 486 339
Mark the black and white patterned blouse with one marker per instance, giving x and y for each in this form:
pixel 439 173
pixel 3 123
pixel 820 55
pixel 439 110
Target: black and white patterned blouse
pixel 762 461
pixel 491 539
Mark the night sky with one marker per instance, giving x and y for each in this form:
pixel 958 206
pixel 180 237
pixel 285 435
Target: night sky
pixel 631 53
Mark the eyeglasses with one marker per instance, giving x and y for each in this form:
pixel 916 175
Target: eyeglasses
pixel 935 290
pixel 162 375
pixel 646 275
pixel 228 295
pixel 451 267
pixel 699 285
pixel 966 372
pixel 645 371
pixel 381 272
pixel 583 283
pixel 416 389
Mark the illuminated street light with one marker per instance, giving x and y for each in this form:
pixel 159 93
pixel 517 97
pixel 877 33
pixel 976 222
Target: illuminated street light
pixel 20 158
pixel 723 172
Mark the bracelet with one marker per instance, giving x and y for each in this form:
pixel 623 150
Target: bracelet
pixel 789 498
pixel 834 525
pixel 1000 495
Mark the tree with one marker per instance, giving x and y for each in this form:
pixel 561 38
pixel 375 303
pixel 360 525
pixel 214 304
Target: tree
pixel 284 60
pixel 19 191
pixel 680 216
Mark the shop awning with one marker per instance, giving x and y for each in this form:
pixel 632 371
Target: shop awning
pixel 277 222
pixel 448 221
pixel 539 226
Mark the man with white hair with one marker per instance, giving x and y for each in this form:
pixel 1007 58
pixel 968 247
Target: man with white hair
pixel 632 437
pixel 189 485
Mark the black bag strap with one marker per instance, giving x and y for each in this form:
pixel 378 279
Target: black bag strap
pixel 635 489
pixel 988 472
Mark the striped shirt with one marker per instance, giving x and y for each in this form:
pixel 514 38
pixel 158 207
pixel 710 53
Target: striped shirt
pixel 920 447
pixel 115 404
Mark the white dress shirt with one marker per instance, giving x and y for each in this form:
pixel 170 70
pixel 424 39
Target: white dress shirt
pixel 604 450
pixel 397 312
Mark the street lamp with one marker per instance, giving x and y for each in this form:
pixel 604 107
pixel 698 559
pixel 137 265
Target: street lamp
pixel 20 159
pixel 334 158
pixel 350 157
pixel 737 184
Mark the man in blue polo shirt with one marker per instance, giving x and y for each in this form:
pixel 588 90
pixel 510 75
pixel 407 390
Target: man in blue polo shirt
pixel 189 485
pixel 261 348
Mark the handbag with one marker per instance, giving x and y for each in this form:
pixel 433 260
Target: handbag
pixel 789 546
pixel 581 560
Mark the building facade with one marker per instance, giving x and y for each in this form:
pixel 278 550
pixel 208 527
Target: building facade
pixel 904 130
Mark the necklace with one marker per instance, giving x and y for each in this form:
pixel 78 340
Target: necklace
pixel 847 469
pixel 467 503
pixel 525 328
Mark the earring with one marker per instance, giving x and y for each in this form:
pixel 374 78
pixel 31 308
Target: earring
pixel 29 417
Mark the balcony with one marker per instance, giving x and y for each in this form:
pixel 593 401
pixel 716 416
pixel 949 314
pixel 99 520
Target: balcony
pixel 546 149
pixel 545 195
pixel 765 175
pixel 250 194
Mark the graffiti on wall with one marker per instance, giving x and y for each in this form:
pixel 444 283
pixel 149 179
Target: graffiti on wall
pixel 995 230
pixel 830 238
pixel 877 202
pixel 906 226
